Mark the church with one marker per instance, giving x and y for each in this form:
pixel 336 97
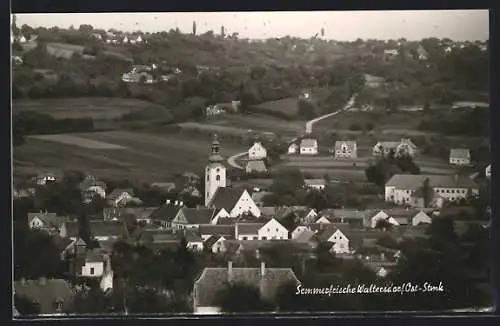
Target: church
pixel 229 202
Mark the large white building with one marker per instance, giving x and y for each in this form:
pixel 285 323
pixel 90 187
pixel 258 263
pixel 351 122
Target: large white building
pixel 257 152
pixel 415 190
pixel 215 172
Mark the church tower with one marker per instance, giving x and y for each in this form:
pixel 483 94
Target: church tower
pixel 215 172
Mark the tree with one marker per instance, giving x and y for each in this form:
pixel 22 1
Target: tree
pixel 25 306
pixel 305 109
pixel 240 297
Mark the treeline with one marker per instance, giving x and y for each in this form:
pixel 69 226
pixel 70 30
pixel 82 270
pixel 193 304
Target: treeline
pixel 34 123
pixel 470 122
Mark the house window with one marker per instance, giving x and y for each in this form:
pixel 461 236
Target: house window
pixel 255 238
pixel 194 246
pixel 218 249
pixel 217 170
pixel 58 305
pixel 267 229
pixel 452 191
pixel 447 191
pixel 92 271
pixel 208 177
pixel 217 177
pixel 244 238
pixel 264 238
pixel 341 245
pixel 276 229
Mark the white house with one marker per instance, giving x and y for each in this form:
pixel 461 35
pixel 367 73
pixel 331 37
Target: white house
pixel 391 53
pixel 323 220
pixel 293 149
pixel 459 156
pixel 247 231
pixel 338 239
pixel 382 216
pixel 298 231
pixel 216 244
pixel 273 230
pixel 48 222
pixel 255 166
pixel 235 203
pixel 414 190
pixel 311 216
pixel 345 149
pixel 194 242
pixel 257 152
pixel 421 218
pixel 316 184
pixel 405 146
pixel 121 197
pixel 308 146
pixel 487 171
pixel 192 218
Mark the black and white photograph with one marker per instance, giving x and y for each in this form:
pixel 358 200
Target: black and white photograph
pixel 274 162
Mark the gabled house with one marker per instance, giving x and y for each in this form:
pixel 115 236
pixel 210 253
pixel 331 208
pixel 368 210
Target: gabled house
pixel 257 152
pixel 307 237
pixel 459 156
pixel 122 197
pixel 353 217
pixel 255 166
pixel 308 146
pixel 234 202
pixel 216 244
pixel 293 148
pixel 48 222
pixel 51 296
pixel 372 81
pixel 267 280
pixel 299 230
pixel 310 217
pixel 193 241
pixel 272 230
pixel 44 179
pixel 345 149
pixel 316 184
pixel 140 214
pixel 487 171
pixel 91 187
pixel 208 230
pixel 165 214
pixel 403 147
pixel 339 240
pixel 248 231
pixel 188 218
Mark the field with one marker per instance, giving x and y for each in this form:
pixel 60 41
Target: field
pixel 288 106
pixel 97 108
pixel 142 157
pixel 65 50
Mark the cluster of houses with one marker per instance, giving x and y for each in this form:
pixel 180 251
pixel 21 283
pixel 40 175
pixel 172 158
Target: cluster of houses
pixel 215 110
pixel 144 73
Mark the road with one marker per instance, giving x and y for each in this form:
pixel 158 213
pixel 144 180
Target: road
pixel 309 125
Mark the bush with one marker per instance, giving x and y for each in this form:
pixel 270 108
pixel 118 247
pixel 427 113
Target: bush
pixel 369 126
pixel 355 127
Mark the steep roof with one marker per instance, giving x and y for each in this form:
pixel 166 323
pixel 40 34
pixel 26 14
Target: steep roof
pixel 219 230
pixel 226 198
pixel 115 194
pixel 201 215
pixel 49 219
pixel 61 243
pixel 413 182
pixel 214 279
pixel 211 241
pixel 248 228
pixel 350 144
pixel 166 212
pixel 46 294
pixel 256 165
pixel 308 142
pixel 460 153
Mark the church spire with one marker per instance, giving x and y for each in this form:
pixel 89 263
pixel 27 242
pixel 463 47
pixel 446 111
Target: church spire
pixel 215 155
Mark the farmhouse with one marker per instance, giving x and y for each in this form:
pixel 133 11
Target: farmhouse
pixel 337 238
pixel 255 166
pixel 193 241
pixel 48 222
pixel 208 230
pixel 273 230
pixel 404 147
pixel 257 152
pixel 428 190
pixel 91 187
pixel 401 217
pixel 487 171
pixel 460 156
pixel 233 202
pixel 247 231
pixel 121 197
pixel 372 81
pixel 216 244
pixel 352 217
pixel 293 149
pixel 316 184
pixel 52 296
pixel 188 218
pixel 267 280
pixel 345 149
pixel 308 146
pixel 165 214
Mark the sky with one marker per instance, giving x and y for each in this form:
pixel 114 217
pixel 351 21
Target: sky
pixel 458 25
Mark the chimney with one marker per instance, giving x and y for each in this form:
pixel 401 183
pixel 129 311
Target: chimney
pixel 42 280
pixel 230 271
pixel 262 268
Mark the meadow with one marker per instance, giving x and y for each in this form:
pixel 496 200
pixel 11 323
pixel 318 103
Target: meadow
pixel 287 107
pixel 140 156
pixel 97 108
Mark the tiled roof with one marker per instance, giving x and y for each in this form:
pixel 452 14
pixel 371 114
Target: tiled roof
pixel 256 165
pixel 226 198
pixel 198 215
pixel 166 212
pixel 209 229
pixel 117 192
pixel 46 294
pixel 460 153
pixel 248 228
pixel 211 241
pixel 308 142
pixel 214 279
pixel 413 182
pixel 192 237
pixel 49 219
pixel 351 145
